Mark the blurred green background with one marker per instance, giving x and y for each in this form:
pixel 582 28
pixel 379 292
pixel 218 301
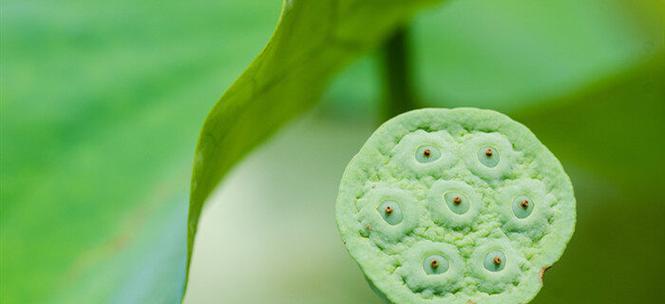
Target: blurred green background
pixel 101 104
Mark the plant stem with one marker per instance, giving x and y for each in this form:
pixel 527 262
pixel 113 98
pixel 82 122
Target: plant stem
pixel 398 80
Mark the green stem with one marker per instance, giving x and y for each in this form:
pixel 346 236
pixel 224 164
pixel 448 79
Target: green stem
pixel 399 89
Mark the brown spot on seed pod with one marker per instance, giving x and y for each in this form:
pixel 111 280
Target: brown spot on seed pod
pixel 497 260
pixel 525 204
pixel 427 152
pixel 457 200
pixel 434 264
pixel 489 152
pixel 542 272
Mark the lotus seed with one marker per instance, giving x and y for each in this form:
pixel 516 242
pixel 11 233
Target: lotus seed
pixel 427 154
pixel 435 264
pixel 522 207
pixel 456 203
pixel 391 213
pixel 495 261
pixel 488 157
pixel 465 206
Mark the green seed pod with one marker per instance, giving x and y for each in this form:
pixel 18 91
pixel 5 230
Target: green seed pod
pixel 455 206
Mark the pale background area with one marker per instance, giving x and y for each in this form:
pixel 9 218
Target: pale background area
pixel 269 235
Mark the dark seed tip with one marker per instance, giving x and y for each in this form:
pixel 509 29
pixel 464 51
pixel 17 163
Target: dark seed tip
pixel 427 152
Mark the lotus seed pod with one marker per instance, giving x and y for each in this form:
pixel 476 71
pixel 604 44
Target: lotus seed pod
pixel 388 214
pixel 455 206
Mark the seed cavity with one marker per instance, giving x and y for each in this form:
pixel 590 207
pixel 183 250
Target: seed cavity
pixel 391 212
pixel 489 156
pixel 435 264
pixel 495 261
pixel 522 207
pixel 457 203
pixel 427 154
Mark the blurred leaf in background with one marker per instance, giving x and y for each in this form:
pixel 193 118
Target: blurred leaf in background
pixel 101 105
pixel 101 102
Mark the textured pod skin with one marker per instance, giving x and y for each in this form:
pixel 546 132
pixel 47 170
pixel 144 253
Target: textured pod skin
pixel 455 206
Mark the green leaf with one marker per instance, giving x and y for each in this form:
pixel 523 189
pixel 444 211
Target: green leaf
pixel 100 104
pixel 313 40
